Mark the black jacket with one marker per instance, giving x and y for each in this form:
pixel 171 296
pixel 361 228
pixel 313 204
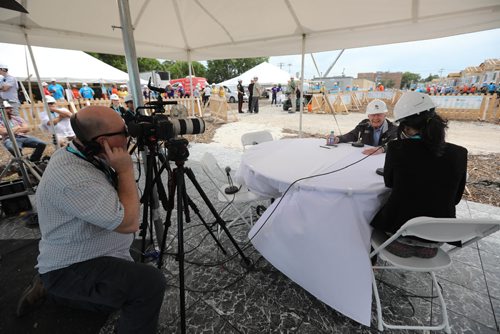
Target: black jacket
pixel 422 184
pixel 241 89
pixel 365 130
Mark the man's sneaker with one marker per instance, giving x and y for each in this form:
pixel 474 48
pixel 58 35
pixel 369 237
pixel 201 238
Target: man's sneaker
pixel 32 297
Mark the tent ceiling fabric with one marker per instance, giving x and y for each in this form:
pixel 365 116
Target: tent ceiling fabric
pixel 218 29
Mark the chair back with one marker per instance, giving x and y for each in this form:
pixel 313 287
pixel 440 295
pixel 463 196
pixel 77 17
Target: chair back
pixel 254 138
pixel 211 167
pixel 449 229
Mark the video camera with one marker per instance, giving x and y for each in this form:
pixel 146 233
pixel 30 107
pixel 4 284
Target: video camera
pixel 159 127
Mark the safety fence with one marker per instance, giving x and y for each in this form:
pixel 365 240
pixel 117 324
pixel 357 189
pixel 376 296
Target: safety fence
pixel 31 112
pixel 453 107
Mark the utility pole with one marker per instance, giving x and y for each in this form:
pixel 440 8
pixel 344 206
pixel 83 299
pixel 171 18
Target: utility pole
pixel 441 72
pixel 290 69
pixel 281 65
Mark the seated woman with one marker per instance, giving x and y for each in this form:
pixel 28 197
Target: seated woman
pixel 426 174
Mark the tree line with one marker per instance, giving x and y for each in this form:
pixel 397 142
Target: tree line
pixel 215 71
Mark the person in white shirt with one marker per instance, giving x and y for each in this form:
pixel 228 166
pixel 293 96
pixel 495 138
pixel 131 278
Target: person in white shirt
pixel 61 118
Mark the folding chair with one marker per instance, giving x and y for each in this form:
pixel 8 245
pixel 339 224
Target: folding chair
pixel 254 138
pixel 433 229
pixel 218 178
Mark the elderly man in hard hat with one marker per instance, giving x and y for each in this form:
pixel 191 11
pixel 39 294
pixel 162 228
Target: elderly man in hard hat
pixel 375 131
pixel 8 88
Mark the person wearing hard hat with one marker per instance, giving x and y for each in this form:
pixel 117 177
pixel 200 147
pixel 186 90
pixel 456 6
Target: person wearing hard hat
pixel 19 129
pixel 426 174
pixel 56 90
pixel 86 92
pixel 115 104
pixel 60 118
pixel 8 88
pixel 375 131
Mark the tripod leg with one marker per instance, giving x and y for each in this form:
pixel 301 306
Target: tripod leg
pixel 181 188
pixel 168 220
pixel 7 168
pixel 145 200
pixel 219 220
pixel 193 206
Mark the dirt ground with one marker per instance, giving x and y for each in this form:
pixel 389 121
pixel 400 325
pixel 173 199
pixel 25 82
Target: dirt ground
pixel 483 185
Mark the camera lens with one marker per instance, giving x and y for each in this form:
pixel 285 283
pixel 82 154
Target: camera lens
pixel 188 126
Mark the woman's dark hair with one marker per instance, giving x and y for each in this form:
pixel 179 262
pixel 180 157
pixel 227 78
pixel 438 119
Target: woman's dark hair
pixel 431 128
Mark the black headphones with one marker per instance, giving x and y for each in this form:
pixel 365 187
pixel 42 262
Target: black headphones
pixel 90 147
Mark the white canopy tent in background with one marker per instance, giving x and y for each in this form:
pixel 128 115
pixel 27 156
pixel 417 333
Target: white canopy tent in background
pixel 62 65
pixel 268 74
pixel 221 29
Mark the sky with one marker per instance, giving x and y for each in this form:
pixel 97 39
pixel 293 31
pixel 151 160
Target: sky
pixel 435 56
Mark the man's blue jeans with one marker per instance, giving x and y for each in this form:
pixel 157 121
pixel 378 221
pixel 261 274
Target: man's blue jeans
pixel 27 141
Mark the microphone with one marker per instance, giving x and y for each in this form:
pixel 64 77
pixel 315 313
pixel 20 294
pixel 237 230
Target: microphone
pixel 231 189
pixel 358 143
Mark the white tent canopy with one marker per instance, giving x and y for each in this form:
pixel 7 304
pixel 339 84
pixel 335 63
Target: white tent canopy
pixel 268 74
pixel 217 29
pixel 63 65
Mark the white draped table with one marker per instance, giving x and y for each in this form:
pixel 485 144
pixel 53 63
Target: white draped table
pixel 318 234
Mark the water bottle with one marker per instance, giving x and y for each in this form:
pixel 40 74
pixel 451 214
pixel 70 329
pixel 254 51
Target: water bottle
pixel 331 139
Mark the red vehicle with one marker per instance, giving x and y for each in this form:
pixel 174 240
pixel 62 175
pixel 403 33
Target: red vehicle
pixel 186 83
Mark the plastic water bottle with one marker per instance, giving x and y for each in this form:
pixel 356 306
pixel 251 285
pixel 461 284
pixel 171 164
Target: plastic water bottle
pixel 330 141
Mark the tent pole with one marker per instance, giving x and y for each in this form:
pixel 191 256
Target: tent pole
pixel 135 83
pixel 45 105
pixel 302 83
pixel 315 65
pixel 191 95
pixel 130 54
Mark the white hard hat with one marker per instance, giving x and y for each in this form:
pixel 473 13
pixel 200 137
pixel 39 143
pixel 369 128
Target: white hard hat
pixel 128 98
pixel 4 66
pixel 50 99
pixel 84 84
pixel 44 84
pixel 412 103
pixel 376 107
pixel 6 104
pixel 114 97
pixel 167 83
pixel 53 79
pixel 180 85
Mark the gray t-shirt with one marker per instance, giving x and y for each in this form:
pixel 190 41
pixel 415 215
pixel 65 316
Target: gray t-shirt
pixel 11 93
pixel 78 209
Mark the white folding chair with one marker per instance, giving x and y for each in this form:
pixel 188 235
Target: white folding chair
pixel 218 178
pixel 254 138
pixel 433 229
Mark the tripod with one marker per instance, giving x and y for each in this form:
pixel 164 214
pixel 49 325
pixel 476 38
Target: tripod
pixel 177 186
pixel 20 161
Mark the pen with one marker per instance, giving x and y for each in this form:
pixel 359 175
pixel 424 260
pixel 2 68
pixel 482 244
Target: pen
pixel 325 147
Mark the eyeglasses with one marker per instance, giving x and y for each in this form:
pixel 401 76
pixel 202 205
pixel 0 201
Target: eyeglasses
pixel 123 132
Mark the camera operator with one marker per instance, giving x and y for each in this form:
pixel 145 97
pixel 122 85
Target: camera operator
pixel 88 211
